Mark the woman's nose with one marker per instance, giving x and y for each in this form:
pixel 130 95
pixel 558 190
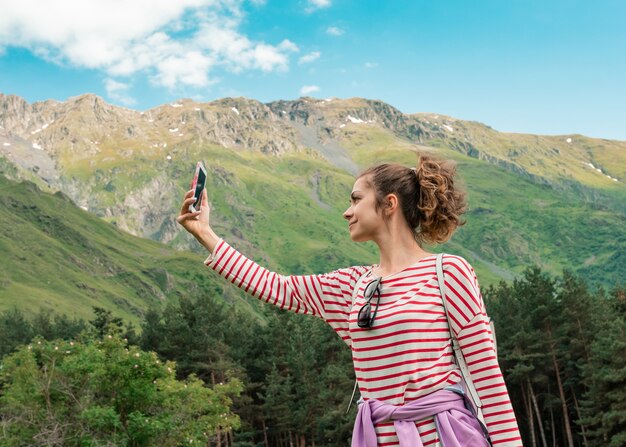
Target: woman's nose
pixel 347 213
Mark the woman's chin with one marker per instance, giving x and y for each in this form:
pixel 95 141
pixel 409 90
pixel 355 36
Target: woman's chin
pixel 356 237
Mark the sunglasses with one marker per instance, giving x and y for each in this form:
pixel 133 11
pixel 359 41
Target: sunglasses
pixel 365 318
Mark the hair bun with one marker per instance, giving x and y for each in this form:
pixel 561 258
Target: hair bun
pixel 440 203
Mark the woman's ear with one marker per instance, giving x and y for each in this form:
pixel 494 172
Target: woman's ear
pixel 391 203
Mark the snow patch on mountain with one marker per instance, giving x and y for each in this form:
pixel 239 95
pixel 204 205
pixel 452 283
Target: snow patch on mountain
pixel 600 171
pixel 355 120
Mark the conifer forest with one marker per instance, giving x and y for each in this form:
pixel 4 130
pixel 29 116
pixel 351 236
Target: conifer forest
pixel 201 372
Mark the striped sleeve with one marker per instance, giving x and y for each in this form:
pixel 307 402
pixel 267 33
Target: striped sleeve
pixel 328 296
pixel 470 322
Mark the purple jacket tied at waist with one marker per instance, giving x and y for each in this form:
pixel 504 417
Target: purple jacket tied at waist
pixel 456 425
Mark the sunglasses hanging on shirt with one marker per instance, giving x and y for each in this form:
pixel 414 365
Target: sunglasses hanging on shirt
pixel 365 318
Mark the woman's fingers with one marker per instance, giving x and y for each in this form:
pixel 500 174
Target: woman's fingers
pixel 187 216
pixel 188 200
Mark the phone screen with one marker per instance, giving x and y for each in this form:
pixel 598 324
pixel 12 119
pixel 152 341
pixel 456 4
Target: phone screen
pixel 199 187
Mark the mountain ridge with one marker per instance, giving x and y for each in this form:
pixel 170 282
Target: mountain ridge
pixel 418 127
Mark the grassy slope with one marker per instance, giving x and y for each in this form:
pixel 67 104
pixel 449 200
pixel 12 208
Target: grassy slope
pixel 56 256
pixel 552 157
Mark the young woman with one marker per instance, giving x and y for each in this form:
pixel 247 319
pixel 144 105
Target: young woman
pixel 396 327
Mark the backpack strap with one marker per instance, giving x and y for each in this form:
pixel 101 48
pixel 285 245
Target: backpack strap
pixel 357 286
pixel 355 291
pixel 458 354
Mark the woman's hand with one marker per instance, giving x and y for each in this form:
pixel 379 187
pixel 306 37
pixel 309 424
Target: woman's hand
pixel 198 223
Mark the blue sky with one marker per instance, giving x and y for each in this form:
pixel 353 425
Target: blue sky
pixel 544 67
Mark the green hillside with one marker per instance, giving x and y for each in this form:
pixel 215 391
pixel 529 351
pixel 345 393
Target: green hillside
pixel 59 257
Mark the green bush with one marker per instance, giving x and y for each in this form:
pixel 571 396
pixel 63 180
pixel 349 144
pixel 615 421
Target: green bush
pixel 105 392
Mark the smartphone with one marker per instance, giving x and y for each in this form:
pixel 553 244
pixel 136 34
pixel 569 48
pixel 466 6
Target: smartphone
pixel 198 184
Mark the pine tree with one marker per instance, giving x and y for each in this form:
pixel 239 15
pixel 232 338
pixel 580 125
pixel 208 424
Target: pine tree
pixel 15 330
pixel 604 403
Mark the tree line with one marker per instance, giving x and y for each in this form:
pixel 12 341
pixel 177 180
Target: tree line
pixel 285 380
pixel 562 348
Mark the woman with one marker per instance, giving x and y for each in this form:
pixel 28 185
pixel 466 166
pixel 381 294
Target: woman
pixel 396 327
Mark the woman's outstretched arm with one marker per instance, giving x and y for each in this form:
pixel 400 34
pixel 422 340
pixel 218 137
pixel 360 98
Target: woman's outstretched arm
pixel 328 296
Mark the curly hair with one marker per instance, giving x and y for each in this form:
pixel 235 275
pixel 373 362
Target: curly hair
pixel 428 198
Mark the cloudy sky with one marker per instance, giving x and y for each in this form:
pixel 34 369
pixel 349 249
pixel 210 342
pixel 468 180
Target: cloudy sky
pixel 546 67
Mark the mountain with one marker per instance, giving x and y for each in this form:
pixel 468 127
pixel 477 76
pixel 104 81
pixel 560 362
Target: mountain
pixel 280 175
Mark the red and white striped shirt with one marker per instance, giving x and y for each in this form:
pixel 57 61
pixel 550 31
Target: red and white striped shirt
pixel 407 353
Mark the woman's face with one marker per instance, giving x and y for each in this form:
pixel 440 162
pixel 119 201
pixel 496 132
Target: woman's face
pixel 363 221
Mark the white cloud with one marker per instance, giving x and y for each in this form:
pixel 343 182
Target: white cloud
pixel 176 43
pixel 288 45
pixel 118 91
pixel 371 64
pixel 238 53
pixel 190 69
pixel 317 4
pixel 308 89
pixel 334 31
pixel 309 57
